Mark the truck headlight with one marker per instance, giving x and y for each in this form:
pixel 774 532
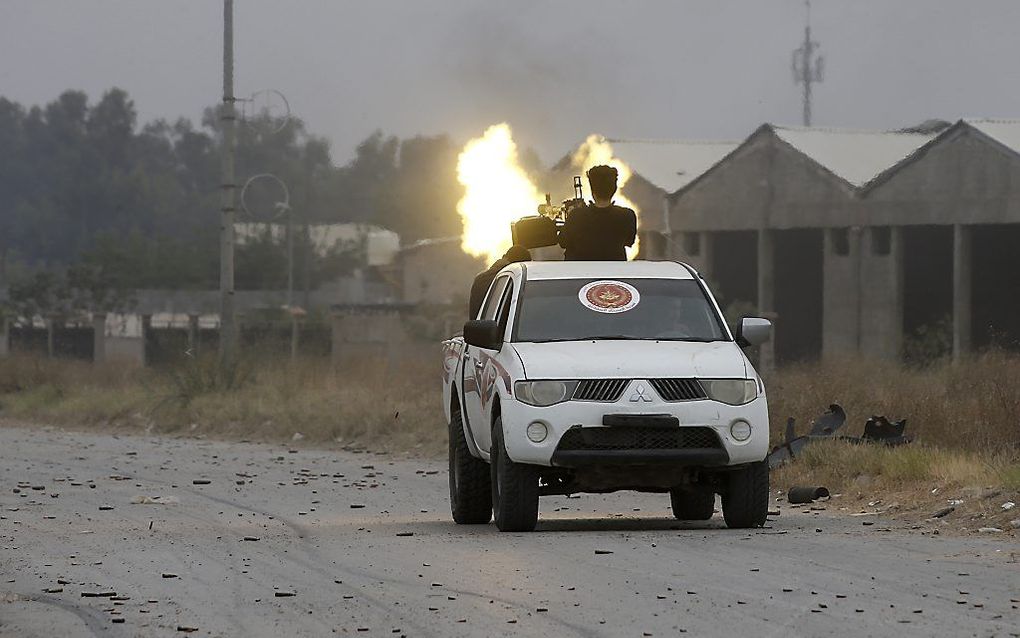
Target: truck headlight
pixel 731 391
pixel 544 393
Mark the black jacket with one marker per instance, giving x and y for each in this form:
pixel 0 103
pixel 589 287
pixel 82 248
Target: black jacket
pixel 481 286
pixel 598 234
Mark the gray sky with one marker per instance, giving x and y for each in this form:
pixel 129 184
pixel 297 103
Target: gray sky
pixel 556 70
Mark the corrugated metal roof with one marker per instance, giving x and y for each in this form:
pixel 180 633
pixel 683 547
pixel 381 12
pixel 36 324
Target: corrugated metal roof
pixel 1005 132
pixel 855 156
pixel 670 164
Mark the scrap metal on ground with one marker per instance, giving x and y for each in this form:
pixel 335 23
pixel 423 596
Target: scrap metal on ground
pixel 877 429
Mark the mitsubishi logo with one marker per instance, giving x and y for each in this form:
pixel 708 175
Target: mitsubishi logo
pixel 639 395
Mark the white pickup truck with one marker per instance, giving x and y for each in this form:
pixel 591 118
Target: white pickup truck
pixel 604 376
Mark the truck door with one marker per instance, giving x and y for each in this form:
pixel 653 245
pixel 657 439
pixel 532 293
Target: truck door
pixel 480 368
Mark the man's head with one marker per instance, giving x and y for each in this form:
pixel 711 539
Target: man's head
pixel 516 253
pixel 603 182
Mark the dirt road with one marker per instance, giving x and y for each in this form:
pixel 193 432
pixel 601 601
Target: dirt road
pixel 257 540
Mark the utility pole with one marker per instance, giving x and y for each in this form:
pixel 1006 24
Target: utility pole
pixel 228 322
pixel 807 67
pixel 290 285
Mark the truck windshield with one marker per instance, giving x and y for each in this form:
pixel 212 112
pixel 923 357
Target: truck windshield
pixel 645 309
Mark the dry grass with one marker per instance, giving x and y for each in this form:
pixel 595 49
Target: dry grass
pixel 391 404
pixel 965 417
pixel 972 405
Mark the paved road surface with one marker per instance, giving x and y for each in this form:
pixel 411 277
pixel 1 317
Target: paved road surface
pixel 366 547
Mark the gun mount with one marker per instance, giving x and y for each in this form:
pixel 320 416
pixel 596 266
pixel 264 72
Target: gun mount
pixel 541 230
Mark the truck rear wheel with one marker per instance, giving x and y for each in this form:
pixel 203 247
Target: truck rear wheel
pixel 470 492
pixel 692 505
pixel 514 488
pixel 745 503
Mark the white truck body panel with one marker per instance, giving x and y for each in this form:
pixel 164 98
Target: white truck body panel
pixel 476 379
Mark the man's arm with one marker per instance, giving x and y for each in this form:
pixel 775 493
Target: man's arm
pixel 478 288
pixel 631 226
pixel 566 236
pixel 481 285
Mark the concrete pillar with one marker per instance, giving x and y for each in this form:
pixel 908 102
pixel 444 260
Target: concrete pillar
pixel 193 335
pixel 881 316
pixel 962 270
pixel 767 294
pixel 99 337
pixel 707 254
pixel 5 339
pixel 841 287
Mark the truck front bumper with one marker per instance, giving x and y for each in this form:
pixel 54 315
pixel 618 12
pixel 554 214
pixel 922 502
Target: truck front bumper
pixel 704 428
pixel 701 457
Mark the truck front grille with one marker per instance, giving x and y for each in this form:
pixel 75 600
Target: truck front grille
pixel 679 389
pixel 608 390
pixel 638 438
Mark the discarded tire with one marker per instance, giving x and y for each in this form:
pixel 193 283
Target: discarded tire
pixel 798 495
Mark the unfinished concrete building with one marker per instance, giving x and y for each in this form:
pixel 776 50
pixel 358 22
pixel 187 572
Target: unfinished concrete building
pixel 863 242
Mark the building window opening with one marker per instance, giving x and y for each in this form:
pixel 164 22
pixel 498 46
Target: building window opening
pixel 841 241
pixel 881 241
pixel 692 244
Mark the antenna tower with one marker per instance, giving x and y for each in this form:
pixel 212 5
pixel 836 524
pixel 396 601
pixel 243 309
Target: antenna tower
pixel 808 67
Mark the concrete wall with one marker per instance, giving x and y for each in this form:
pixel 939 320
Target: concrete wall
pixel 125 351
pixel 963 178
pixel 367 333
pixel 694 248
pixel 438 273
pixel 764 184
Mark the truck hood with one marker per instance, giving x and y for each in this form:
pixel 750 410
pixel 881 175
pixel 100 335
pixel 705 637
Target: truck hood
pixel 631 359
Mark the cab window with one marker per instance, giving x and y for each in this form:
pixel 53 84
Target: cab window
pixel 489 310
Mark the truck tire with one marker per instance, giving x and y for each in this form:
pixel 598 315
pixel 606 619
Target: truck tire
pixel 692 505
pixel 470 493
pixel 514 488
pixel 745 503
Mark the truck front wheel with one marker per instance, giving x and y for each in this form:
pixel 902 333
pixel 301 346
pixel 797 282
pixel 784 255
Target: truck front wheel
pixel 692 505
pixel 470 493
pixel 514 488
pixel 745 503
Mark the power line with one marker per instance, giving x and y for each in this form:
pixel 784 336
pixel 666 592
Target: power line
pixel 807 66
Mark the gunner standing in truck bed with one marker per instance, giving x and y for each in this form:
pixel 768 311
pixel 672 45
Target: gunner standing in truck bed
pixel 600 231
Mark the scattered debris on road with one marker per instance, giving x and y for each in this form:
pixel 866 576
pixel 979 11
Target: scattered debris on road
pixel 155 500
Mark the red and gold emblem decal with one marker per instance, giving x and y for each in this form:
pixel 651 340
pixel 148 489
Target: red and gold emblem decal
pixel 609 296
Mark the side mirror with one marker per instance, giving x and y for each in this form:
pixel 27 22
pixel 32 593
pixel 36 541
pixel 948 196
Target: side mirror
pixel 483 333
pixel 753 331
